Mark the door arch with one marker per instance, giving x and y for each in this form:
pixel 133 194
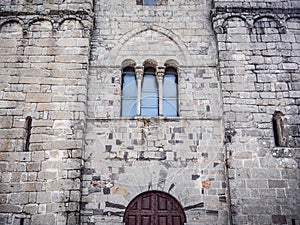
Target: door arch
pixel 154 208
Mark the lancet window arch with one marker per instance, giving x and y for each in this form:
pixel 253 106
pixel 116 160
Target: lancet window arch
pixel 149 90
pixel 149 93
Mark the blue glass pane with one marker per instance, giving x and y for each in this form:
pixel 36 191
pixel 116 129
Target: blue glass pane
pixel 149 2
pixel 129 95
pixel 129 87
pixel 153 112
pixel 149 98
pixel 170 107
pixel 169 86
pixel 170 95
pixel 149 103
pixel 129 107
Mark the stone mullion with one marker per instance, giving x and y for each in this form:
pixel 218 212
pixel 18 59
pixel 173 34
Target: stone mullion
pixel 139 77
pixel 159 77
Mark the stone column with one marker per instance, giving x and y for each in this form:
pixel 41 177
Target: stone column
pixel 159 77
pixel 139 77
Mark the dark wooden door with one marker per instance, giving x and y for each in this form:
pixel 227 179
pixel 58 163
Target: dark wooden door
pixel 154 208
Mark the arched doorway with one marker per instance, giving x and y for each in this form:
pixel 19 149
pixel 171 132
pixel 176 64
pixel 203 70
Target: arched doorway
pixel 154 208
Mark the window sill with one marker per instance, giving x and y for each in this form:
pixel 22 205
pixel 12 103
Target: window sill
pixel 160 118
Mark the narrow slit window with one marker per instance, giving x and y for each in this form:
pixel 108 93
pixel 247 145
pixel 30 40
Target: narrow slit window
pixel 149 99
pixel 28 127
pixel 278 129
pixel 129 93
pixel 170 92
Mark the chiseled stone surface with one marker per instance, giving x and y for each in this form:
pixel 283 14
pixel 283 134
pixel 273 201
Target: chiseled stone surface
pixel 259 69
pixel 43 74
pixel 183 156
pixel 238 64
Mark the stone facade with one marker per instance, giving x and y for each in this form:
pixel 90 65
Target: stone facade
pixel 259 69
pixel 230 157
pixel 44 61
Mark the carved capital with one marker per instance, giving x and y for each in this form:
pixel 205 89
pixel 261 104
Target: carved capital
pixel 139 72
pixel 160 72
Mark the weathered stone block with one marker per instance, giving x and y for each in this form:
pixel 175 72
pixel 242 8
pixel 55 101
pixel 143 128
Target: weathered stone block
pixel 71 58
pixel 74 174
pixel 43 197
pixel 3 166
pixel 43 219
pixel 19 198
pixel 33 166
pixel 14 96
pixel 49 106
pixel 32 186
pixel 265 173
pixel 290 66
pixel 277 183
pixel 31 209
pixel 256 183
pixel 9 208
pixel 38 97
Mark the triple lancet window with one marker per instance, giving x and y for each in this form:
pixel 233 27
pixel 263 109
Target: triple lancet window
pixel 151 2
pixel 149 91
